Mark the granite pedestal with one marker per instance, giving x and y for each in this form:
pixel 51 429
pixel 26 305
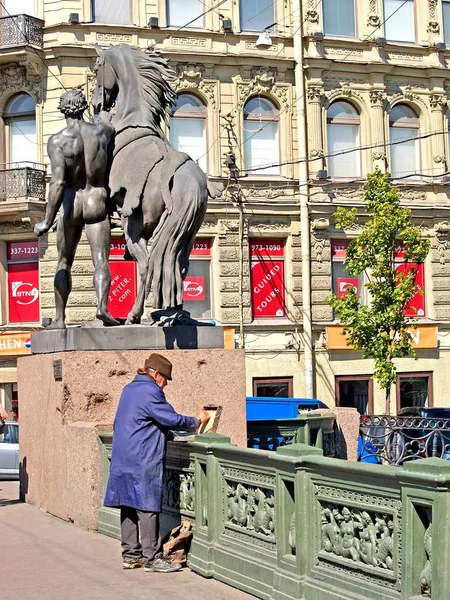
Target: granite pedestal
pixel 69 389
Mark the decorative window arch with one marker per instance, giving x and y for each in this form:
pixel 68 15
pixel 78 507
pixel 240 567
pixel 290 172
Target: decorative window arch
pixel 261 136
pixel 188 128
pixel 343 133
pixel 404 127
pixel 19 117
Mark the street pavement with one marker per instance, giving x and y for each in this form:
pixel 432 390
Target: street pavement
pixel 45 558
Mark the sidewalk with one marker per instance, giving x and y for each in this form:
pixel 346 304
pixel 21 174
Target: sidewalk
pixel 44 558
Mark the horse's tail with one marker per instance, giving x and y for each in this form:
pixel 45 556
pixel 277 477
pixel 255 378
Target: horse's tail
pixel 174 237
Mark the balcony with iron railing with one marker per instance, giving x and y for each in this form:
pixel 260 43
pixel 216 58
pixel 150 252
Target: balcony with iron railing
pixel 21 30
pixel 22 182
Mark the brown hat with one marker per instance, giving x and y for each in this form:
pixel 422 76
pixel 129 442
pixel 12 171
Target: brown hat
pixel 159 363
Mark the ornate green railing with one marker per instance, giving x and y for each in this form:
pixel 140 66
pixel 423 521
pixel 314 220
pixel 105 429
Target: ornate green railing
pixel 295 525
pixel 308 428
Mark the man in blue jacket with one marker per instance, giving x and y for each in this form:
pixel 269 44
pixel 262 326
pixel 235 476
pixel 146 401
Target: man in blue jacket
pixel 143 419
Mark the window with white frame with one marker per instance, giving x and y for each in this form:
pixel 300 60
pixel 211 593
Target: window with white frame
pixel 112 12
pixel 404 128
pixel 19 117
pixel 343 133
pixel 261 137
pixel 181 12
pixel 339 17
pixel 400 21
pixel 446 19
pixel 188 128
pixel 19 7
pixel 448 137
pixel 257 15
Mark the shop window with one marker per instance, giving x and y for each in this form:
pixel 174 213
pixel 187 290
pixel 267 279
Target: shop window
pixel 180 12
pixel 339 17
pixel 275 387
pixel 341 279
pixel 122 293
pixel 19 117
pixel 400 22
pixel 188 128
pixel 23 282
pixel 261 137
pixel 197 285
pixel 343 133
pixel 267 277
pixel 404 127
pixel 112 12
pixel 414 390
pixel 446 18
pixel 416 306
pixel 257 15
pixel 355 392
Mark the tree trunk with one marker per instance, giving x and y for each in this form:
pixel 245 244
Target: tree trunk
pixel 387 408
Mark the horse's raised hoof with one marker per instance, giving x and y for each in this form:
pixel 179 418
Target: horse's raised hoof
pixel 132 319
pixel 107 318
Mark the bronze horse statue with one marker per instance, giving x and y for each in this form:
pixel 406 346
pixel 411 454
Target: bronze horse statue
pixel 161 193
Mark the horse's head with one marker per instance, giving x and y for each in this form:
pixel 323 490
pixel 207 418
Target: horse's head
pixel 106 90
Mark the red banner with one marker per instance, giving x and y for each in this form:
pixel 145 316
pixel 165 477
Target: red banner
pixel 262 248
pixel 202 247
pixel 268 289
pixel 117 247
pixel 23 292
pixel 416 306
pixel 339 248
pixel 193 289
pixel 122 293
pixel 344 283
pixel 21 250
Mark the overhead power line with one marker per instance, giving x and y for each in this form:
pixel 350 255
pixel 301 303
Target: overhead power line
pixel 347 151
pixel 336 65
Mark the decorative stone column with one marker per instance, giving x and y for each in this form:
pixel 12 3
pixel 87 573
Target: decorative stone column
pixel 377 99
pixel 438 103
pixel 315 137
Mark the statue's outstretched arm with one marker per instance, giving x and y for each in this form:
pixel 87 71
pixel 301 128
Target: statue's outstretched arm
pixel 56 188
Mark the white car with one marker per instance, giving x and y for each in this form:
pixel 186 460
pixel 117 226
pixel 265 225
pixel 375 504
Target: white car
pixel 9 451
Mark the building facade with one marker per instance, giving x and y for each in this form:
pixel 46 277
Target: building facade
pixel 339 88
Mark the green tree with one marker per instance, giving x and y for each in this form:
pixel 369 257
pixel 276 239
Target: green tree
pixel 380 328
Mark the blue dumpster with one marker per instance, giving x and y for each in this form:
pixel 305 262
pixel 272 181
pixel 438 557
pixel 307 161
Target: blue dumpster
pixel 279 408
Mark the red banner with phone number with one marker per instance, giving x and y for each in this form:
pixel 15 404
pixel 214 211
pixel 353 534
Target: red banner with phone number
pixel 23 292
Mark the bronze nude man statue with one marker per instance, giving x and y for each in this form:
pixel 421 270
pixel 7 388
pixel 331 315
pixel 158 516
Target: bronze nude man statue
pixel 79 162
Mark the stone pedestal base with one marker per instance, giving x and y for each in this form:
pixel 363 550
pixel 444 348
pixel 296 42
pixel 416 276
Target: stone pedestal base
pixel 67 397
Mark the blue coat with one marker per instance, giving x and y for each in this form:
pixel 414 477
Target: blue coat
pixel 143 419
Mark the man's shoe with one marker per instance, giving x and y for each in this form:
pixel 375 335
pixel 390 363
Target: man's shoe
pixel 161 565
pixel 132 563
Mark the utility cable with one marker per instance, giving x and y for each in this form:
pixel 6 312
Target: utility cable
pixel 346 151
pixel 230 113
pixel 335 66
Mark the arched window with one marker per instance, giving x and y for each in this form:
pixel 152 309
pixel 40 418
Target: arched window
pixel 20 128
pixel 343 133
pixel 261 138
pixel 188 128
pixel 404 126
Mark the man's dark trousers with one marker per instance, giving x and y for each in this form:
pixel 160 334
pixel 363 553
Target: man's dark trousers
pixel 131 521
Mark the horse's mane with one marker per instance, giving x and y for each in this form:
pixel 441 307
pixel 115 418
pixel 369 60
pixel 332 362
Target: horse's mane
pixel 154 74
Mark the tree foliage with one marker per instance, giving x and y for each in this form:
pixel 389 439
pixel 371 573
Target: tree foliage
pixel 380 328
